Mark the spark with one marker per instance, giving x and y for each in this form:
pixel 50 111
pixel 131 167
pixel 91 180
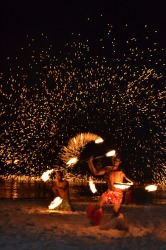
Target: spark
pixel 116 90
pixel 69 154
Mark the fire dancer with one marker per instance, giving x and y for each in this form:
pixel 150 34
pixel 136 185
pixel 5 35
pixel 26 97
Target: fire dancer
pixel 112 195
pixel 61 189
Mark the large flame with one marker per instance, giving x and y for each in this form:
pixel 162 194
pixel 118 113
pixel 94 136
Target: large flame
pixel 151 188
pixel 55 203
pixel 46 175
pixel 92 186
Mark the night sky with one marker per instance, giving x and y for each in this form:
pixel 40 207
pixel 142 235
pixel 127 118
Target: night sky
pixel 59 18
pixel 70 67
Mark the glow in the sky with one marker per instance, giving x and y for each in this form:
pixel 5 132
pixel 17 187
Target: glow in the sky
pixel 109 85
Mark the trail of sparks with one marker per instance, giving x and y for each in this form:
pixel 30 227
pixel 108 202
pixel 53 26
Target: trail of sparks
pixel 75 146
pixel 114 89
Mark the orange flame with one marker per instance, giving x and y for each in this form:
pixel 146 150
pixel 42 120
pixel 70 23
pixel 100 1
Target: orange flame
pixel 99 140
pixel 111 153
pixel 92 186
pixel 151 188
pixel 72 161
pixel 46 175
pixel 56 202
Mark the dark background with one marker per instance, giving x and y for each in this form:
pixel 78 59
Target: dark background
pixel 59 18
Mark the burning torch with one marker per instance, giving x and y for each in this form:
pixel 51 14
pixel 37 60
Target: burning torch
pixel 75 159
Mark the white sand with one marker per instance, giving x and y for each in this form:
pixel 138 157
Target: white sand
pixel 28 224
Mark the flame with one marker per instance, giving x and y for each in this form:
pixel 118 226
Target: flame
pixel 56 202
pixel 151 188
pixel 99 140
pixel 92 186
pixel 122 185
pixel 46 175
pixel 72 161
pixel 76 145
pixel 111 153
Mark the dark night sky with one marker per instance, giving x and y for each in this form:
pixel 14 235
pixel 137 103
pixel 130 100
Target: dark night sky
pixel 59 18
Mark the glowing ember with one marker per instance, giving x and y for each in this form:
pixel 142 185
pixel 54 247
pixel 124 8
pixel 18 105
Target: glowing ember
pixel 122 185
pixel 46 175
pixel 99 140
pixel 151 188
pixel 92 186
pixel 55 203
pixel 72 161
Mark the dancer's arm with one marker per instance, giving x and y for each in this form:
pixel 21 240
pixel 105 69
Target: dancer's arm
pixel 93 169
pixel 128 179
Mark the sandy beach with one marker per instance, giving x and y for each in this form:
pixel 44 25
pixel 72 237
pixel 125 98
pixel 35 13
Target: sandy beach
pixel 29 224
